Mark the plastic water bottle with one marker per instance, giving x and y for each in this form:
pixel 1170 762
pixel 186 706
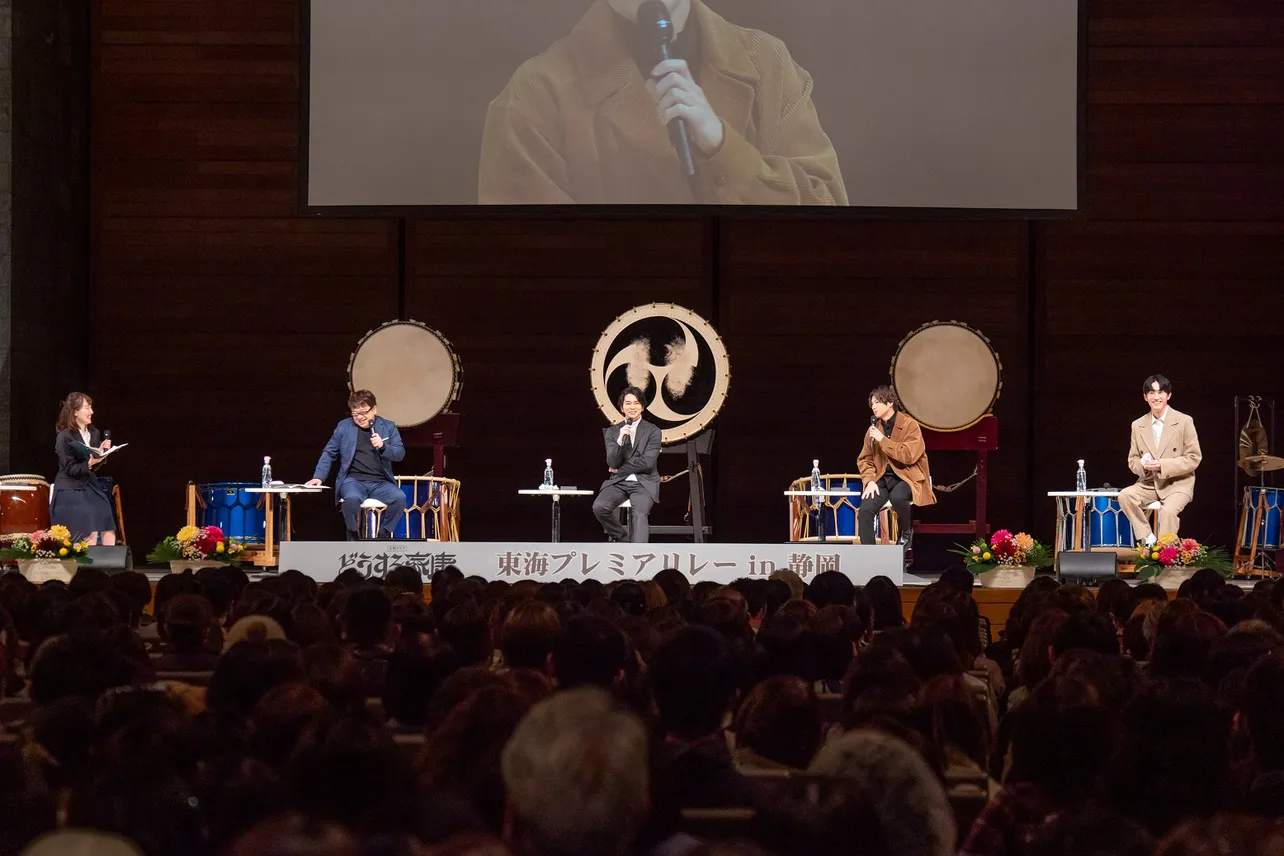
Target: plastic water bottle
pixel 548 475
pixel 267 473
pixel 1081 478
pixel 815 478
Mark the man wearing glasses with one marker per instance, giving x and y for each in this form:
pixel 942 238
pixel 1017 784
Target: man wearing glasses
pixel 366 445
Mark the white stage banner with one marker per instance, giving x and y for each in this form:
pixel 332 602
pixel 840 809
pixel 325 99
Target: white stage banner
pixel 722 563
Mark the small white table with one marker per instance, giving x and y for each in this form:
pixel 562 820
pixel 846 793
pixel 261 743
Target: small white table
pixel 556 495
pixel 1073 505
pixel 821 494
pixel 267 558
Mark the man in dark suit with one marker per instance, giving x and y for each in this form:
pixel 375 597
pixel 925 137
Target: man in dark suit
pixel 366 445
pixel 632 450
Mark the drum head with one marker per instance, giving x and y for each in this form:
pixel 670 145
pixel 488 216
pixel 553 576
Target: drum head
pixel 946 375
pixel 674 356
pixel 411 369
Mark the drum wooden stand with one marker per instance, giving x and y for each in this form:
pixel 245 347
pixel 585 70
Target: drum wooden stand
pixel 980 439
pixel 1246 565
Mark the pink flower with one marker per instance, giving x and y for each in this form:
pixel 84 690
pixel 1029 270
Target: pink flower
pixel 1168 555
pixel 976 551
pixel 1000 537
pixel 1189 545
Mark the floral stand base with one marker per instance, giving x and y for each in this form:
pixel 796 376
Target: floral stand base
pixel 177 566
pixel 1172 577
pixel 1007 577
pixel 45 570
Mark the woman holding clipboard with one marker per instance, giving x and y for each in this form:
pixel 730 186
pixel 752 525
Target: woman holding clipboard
pixel 80 499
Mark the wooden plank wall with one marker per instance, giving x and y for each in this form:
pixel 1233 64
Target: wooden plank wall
pixel 222 320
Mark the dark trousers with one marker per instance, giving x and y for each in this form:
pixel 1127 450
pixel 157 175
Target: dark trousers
pixel 890 487
pixel 356 492
pixel 610 498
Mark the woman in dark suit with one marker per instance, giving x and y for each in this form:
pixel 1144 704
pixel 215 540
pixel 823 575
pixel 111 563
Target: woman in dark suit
pixel 80 499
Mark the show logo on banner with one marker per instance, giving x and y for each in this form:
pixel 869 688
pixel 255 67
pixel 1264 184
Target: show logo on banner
pixel 722 563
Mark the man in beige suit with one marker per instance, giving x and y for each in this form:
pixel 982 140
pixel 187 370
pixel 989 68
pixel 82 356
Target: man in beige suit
pixel 1164 455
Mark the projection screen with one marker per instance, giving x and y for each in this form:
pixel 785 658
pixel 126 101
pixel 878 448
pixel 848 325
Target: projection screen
pixel 930 104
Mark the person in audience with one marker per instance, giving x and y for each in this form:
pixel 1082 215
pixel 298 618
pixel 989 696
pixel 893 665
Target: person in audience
pixel 529 633
pixel 462 754
pixel 1060 743
pixel 193 641
pixel 279 719
pixel 911 809
pixel 1224 833
pixel 1087 631
pixel 694 679
pixel 346 767
pixel 416 670
pixel 466 630
pixel 778 726
pixel 296 834
pixel 831 588
pixel 885 599
pixel 1263 699
pixel 1097 831
pixel 589 651
pixel 1184 640
pixel 1171 760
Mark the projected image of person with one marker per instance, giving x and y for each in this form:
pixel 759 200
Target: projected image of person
pixel 603 117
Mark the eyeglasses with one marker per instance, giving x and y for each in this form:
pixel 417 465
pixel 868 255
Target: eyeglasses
pixel 361 414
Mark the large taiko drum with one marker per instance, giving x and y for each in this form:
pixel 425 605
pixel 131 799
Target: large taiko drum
pixel 231 507
pixel 946 375
pixel 674 356
pixel 410 367
pixel 24 504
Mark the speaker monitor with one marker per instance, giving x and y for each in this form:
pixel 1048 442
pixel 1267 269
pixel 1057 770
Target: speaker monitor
pixel 117 558
pixel 1087 565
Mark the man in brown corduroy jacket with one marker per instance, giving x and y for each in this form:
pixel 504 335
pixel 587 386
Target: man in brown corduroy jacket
pixel 582 124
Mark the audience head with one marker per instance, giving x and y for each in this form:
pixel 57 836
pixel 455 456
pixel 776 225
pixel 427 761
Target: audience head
pixel 576 774
pixel 693 678
pixel 589 651
pixel 526 640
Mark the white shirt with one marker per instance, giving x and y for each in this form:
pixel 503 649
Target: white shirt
pixel 84 435
pixel 1157 427
pixel 619 441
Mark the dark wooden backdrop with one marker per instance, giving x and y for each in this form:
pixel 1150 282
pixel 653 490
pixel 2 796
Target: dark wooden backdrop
pixel 222 321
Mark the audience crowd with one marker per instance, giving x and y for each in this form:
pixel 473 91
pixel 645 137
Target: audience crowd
pixel 575 718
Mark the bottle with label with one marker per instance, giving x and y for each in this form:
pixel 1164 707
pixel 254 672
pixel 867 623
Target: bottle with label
pixel 1081 478
pixel 266 480
pixel 815 478
pixel 548 475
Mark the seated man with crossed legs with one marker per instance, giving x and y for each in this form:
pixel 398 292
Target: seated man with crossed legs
pixel 893 466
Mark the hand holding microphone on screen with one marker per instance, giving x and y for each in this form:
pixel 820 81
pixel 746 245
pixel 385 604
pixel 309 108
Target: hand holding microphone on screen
pixel 678 96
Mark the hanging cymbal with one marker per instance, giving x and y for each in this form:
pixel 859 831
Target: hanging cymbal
pixel 1261 463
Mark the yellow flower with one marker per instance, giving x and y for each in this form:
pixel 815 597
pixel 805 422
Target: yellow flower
pixel 985 556
pixel 187 533
pixel 219 548
pixel 66 542
pixel 1155 554
pixel 62 551
pixel 59 533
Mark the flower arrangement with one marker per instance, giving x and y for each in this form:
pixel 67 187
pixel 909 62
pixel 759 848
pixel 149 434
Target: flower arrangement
pixel 193 543
pixel 1004 548
pixel 1169 551
pixel 52 543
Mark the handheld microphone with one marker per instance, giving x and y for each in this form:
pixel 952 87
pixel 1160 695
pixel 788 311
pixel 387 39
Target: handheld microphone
pixel 656 31
pixel 106 435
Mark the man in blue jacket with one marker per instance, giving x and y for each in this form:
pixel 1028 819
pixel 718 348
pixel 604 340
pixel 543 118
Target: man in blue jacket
pixel 366 446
